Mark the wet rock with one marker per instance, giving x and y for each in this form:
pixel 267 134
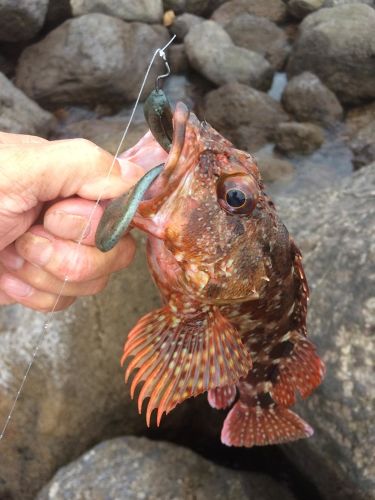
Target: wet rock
pixel 274 169
pixel 298 137
pixel 244 115
pixel 363 145
pixel 274 10
pixel 308 99
pixel 212 53
pixel 259 35
pixel 19 114
pixel 335 230
pixel 21 19
pixel 89 60
pixel 183 23
pixel 302 8
pixel 134 467
pixel 146 11
pixel 344 50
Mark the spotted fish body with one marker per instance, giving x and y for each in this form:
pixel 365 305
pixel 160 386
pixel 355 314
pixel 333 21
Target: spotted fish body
pixel 233 323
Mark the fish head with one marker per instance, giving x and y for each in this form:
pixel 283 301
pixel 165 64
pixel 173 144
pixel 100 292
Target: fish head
pixel 209 208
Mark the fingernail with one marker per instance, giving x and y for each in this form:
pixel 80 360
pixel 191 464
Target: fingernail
pixel 15 287
pixel 39 249
pixel 71 226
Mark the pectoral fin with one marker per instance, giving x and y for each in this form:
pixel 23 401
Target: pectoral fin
pixel 178 357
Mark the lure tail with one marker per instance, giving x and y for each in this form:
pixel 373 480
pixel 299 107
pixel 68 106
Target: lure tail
pixel 179 356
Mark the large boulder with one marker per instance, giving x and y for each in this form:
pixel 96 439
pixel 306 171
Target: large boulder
pixel 338 45
pixel 335 230
pixel 21 20
pixel 19 114
pixel 136 468
pixel 89 60
pixel 212 53
pixel 260 35
pixel 296 137
pixel 274 10
pixel 308 99
pixel 244 115
pixel 146 11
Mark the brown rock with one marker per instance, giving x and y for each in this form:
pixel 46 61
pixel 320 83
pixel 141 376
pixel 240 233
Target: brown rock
pixel 298 137
pixel 274 10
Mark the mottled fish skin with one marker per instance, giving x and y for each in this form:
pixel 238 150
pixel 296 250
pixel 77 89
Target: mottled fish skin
pixel 235 295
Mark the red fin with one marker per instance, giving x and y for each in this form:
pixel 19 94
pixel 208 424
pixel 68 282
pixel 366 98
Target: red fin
pixel 256 426
pixel 222 397
pixel 301 370
pixel 182 356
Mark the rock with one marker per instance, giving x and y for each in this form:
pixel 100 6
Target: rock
pixel 363 145
pixel 259 35
pixel 6 66
pixel 212 53
pixel 183 23
pixel 178 6
pixel 244 115
pixel 19 114
pixel 197 7
pixel 274 10
pixel 58 12
pixel 308 99
pixel 21 19
pixel 89 60
pixel 298 137
pixel 177 58
pixel 335 3
pixel 274 169
pixel 359 117
pixel 105 133
pixel 145 11
pixel 335 230
pixel 343 50
pixel 302 8
pixel 134 467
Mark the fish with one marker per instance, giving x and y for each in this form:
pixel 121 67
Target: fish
pixel 234 292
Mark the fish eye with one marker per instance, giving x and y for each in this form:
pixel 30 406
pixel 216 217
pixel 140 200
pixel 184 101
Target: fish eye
pixel 237 193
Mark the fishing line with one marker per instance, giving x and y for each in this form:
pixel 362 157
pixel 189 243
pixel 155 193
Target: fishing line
pixel 49 320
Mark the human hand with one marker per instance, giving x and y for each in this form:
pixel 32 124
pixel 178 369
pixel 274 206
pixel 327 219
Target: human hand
pixel 47 194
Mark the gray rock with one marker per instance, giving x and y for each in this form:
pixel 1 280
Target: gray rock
pixel 197 7
pixel 363 145
pixel 274 10
pixel 335 230
pixel 21 19
pixel 136 468
pixel 19 114
pixel 302 8
pixel 182 24
pixel 336 3
pixel 244 115
pixel 274 169
pixel 212 53
pixel 146 11
pixel 260 35
pixel 89 60
pixel 308 99
pixel 298 137
pixel 337 44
